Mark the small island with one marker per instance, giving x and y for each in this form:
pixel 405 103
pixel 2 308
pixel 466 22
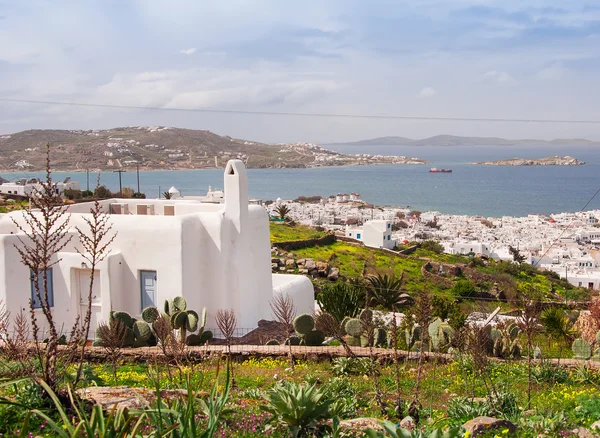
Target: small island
pixel 548 161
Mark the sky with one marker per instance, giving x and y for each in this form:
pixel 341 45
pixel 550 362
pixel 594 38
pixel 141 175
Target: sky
pixel 428 58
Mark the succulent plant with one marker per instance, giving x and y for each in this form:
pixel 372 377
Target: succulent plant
pixel 292 340
pixel 124 317
pixel 142 331
pixel 314 338
pixel 380 337
pixel 354 327
pixel 150 314
pixel 343 325
pixel 598 337
pixel 412 336
pixel 537 353
pixel 366 316
pixel 304 323
pixel 184 320
pixel 326 323
pixel 354 341
pixel 581 349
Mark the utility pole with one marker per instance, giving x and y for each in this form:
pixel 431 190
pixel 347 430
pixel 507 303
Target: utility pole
pixel 87 173
pixel 158 192
pixel 120 171
pixel 137 168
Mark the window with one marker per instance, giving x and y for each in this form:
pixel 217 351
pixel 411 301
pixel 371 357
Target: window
pixel 389 237
pixel 389 226
pixel 350 234
pixel 358 236
pixel 40 281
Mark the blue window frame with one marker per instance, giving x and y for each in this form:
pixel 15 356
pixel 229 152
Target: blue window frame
pixel 389 226
pixel 40 280
pixel 358 236
pixel 389 237
pixel 350 235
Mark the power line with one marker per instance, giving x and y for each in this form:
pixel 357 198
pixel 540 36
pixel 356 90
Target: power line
pixel 294 114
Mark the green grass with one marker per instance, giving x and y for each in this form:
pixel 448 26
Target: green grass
pixel 285 233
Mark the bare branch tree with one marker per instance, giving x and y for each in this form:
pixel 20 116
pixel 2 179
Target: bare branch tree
pixel 46 231
pixel 227 323
pixel 284 311
pixel 113 335
pixel 95 243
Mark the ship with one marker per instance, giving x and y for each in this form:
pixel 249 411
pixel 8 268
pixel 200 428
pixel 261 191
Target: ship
pixel 435 170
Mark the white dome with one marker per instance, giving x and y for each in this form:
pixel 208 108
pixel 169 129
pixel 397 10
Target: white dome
pixel 174 192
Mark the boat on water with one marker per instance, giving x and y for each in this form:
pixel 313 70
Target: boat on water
pixel 436 170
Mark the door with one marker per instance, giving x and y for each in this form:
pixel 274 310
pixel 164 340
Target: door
pixel 83 277
pixel 148 286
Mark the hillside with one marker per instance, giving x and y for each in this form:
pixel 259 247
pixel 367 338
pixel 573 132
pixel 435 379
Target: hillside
pixel 162 148
pixel 548 161
pixel 452 140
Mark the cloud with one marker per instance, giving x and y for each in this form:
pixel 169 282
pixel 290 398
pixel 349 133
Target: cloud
pixel 427 92
pixel 499 78
pixel 188 52
pixel 553 72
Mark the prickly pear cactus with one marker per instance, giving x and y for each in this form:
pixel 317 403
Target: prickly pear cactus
pixel 581 349
pixel 304 324
pixel 354 327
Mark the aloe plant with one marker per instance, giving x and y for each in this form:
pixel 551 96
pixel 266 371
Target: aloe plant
pixel 299 407
pixel 391 430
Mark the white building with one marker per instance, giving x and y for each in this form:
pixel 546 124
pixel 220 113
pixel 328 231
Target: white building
pixel 375 234
pixel 27 188
pixel 215 255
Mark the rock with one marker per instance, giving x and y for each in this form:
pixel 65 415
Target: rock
pixel 290 263
pixel 282 268
pixel 275 260
pixel 290 271
pixel 408 423
pixel 360 424
pixel 301 262
pixel 126 397
pixel 595 427
pixel 323 268
pixel 334 274
pixel 582 432
pixel 290 256
pixel 310 264
pixel 281 262
pixel 303 271
pixel 479 425
pixel 274 266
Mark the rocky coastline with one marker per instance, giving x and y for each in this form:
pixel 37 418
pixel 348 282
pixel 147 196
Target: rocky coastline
pixel 548 161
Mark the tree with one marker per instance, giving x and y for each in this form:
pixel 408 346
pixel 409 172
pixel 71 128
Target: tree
pixel 463 289
pixel 284 311
pixel 282 211
pixel 516 254
pixel 167 195
pixel 385 291
pixel 127 192
pixel 46 229
pixel 558 326
pixel 95 243
pixel 102 192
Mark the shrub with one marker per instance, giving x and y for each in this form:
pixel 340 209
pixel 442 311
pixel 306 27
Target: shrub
pixel 340 300
pixel 463 289
pixel 351 366
pixel 433 246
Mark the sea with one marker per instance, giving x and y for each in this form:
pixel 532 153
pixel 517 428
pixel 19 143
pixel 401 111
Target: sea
pixel 490 191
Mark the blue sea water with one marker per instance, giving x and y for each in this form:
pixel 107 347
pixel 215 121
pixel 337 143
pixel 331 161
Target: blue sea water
pixel 469 189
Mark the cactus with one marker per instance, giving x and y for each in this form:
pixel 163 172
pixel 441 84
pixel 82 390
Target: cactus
pixel 366 316
pixel 598 337
pixel 326 323
pixel 379 337
pixel 193 340
pixel 495 334
pixel 412 336
pixel 304 324
pixel 537 353
pixel 596 356
pixel 206 336
pixel 272 342
pixel 150 314
pixel 513 330
pixel 185 320
pixel 354 341
pixel 142 331
pixel 314 338
pixel 292 340
pixel 343 325
pixel 124 317
pixel 581 349
pixel 354 327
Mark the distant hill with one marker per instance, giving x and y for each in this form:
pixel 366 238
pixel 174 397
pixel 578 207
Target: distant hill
pixel 453 140
pixel 162 148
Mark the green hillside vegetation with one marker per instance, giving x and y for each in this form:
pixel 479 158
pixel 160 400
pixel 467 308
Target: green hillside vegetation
pixel 355 260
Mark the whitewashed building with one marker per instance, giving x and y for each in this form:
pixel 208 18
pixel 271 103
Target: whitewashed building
pixel 374 234
pixel 27 188
pixel 217 256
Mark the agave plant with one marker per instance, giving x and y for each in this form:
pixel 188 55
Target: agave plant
pixel 385 292
pixel 299 407
pixel 391 430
